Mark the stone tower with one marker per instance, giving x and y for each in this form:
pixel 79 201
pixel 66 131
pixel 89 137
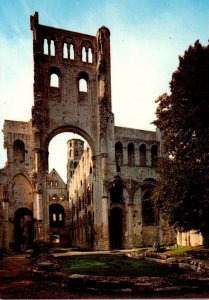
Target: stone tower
pixel 72 93
pixel 75 149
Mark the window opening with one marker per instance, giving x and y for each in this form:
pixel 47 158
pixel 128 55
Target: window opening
pixel 90 56
pixel 19 151
pixel 46 47
pixel 83 85
pixel 118 155
pixel 84 54
pixel 54 80
pixel 56 214
pixel 65 51
pixel 148 211
pixel 71 51
pixel 52 48
pixel 116 192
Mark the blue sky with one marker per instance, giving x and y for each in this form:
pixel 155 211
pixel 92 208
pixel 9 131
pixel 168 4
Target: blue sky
pixel 146 39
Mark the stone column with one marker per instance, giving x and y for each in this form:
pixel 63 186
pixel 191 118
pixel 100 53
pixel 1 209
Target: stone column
pixel 5 224
pixel 130 243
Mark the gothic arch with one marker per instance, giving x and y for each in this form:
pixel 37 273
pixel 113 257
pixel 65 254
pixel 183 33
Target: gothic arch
pixel 22 191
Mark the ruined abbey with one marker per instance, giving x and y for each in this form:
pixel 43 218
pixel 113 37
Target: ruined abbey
pixel 105 203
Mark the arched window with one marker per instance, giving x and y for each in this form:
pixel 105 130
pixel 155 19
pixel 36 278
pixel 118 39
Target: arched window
pixel 76 153
pixel 51 182
pixel 54 197
pixel 56 215
pixel 148 210
pixel 65 50
pixel 72 52
pixel 19 151
pixel 118 155
pixel 45 47
pixel 84 54
pixel 154 154
pixel 52 48
pixel 90 56
pixel 130 154
pixel 142 152
pixel 116 192
pixel 54 80
pixel 83 85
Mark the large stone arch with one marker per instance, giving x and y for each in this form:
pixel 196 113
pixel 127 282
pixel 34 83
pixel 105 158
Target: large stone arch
pixel 63 108
pixel 72 129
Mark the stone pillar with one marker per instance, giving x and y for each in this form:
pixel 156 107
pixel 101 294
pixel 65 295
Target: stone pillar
pixel 5 224
pixel 130 226
pixel 105 223
pixel 149 158
pixel 125 156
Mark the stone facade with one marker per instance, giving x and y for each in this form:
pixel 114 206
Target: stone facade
pixel 106 202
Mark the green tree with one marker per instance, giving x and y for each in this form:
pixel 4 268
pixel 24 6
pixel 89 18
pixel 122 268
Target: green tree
pixel 182 194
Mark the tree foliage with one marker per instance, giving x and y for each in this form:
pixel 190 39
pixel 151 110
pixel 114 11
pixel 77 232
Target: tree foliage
pixel 183 117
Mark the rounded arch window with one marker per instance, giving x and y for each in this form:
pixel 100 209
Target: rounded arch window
pixel 56 215
pixel 148 209
pixel 87 52
pixel 83 82
pixel 116 192
pixel 130 154
pixel 83 85
pixel 118 155
pixel 54 77
pixel 19 151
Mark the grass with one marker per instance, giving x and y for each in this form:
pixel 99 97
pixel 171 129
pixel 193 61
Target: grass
pixel 183 250
pixel 112 265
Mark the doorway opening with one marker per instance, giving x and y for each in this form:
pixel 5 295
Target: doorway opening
pixel 24 229
pixel 116 228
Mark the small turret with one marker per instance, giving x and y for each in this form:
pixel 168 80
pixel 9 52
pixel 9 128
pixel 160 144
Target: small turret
pixel 75 148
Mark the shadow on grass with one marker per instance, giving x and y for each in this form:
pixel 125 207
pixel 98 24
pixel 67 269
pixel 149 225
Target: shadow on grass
pixel 113 265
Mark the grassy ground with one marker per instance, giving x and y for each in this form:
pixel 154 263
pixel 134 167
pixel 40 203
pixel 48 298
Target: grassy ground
pixel 112 265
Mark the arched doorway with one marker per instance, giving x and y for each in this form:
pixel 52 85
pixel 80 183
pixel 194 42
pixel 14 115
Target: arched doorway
pixel 116 228
pixel 24 229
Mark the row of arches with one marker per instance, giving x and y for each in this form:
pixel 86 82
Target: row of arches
pixel 24 229
pixel 68 50
pixel 82 231
pixel 55 80
pixel 149 212
pixel 131 151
